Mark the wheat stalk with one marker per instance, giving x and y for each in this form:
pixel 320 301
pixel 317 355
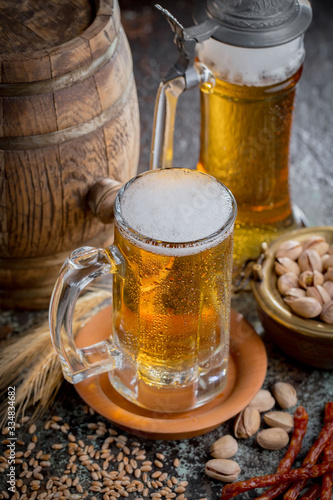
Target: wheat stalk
pixel 29 361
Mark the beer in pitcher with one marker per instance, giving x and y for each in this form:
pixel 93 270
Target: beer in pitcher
pixel 255 51
pixel 245 134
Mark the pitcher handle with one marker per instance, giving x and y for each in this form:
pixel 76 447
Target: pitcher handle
pixel 183 75
pixel 165 114
pixel 164 123
pixel 83 266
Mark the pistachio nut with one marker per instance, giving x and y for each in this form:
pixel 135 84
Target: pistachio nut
pixel 327 313
pixel 306 279
pixel 310 278
pixel 247 423
pixel 318 278
pixel 289 299
pixel 225 447
pixel 327 261
pixel 285 394
pixel 329 274
pixel 295 293
pixel 319 293
pixel 287 281
pixel 280 419
pixel 274 438
pixel 262 401
pixel 289 248
pixel 310 260
pixel 285 265
pixel 328 285
pixel 306 307
pixel 222 469
pixel 317 243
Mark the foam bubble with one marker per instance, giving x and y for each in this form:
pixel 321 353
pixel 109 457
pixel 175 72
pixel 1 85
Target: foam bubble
pixel 252 67
pixel 176 206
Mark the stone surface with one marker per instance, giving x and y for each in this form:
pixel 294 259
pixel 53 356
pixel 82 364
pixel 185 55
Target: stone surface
pixel 311 183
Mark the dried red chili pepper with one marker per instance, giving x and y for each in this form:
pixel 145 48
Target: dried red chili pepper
pixel 234 489
pixel 324 437
pixel 300 424
pixel 311 458
pixel 327 481
pixel 326 487
pixel 313 493
pixel 328 412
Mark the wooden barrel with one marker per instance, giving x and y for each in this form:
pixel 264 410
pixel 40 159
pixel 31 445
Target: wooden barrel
pixel 68 119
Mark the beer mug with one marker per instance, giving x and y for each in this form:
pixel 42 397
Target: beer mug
pixel 171 266
pixel 255 53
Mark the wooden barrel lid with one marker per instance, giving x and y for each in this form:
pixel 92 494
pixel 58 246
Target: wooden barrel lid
pixel 46 40
pixel 32 25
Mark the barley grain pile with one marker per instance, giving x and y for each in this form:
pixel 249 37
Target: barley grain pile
pixel 117 464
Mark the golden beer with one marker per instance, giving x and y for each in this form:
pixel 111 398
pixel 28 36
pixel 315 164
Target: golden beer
pixel 245 136
pixel 171 263
pixel 172 300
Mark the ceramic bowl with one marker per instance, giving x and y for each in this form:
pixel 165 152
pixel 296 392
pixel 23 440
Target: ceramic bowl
pixel 307 340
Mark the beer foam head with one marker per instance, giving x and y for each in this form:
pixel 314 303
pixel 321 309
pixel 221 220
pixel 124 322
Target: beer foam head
pixel 176 206
pixel 252 67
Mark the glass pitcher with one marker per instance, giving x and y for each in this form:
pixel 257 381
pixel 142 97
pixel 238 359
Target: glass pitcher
pixel 255 52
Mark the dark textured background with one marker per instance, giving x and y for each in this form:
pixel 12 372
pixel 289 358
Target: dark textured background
pixel 311 171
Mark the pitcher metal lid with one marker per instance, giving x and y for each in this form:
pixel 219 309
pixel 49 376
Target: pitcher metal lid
pixel 255 23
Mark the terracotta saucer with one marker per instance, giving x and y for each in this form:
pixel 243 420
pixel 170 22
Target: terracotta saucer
pixel 247 370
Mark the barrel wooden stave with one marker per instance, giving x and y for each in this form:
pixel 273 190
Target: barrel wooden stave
pixel 52 111
pixel 20 68
pixel 28 116
pixel 30 281
pixel 100 35
pixel 69 57
pixel 114 71
pixel 1 120
pixel 68 105
pixel 121 146
pixel 32 190
pixel 46 189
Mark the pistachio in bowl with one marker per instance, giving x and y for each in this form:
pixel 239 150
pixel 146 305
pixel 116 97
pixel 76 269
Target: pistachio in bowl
pixel 294 297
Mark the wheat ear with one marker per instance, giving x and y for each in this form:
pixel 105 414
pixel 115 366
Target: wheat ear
pixel 29 362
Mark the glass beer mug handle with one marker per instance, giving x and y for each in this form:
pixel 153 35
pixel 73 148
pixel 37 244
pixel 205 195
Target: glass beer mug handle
pixel 83 266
